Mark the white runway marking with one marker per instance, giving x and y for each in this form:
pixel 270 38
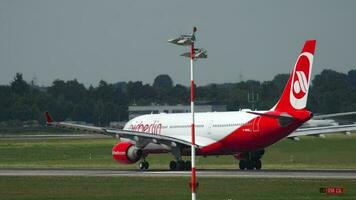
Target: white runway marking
pixel 305 174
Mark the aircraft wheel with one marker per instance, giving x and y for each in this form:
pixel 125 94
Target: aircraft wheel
pixel 141 166
pixel 181 165
pixel 249 165
pixel 147 165
pixel 144 166
pixel 188 165
pixel 242 164
pixel 258 164
pixel 173 165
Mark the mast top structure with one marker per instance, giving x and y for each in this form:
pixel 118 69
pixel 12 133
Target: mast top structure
pixel 189 40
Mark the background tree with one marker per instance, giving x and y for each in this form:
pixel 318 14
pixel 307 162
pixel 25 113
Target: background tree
pixel 163 81
pixel 18 85
pixel 330 92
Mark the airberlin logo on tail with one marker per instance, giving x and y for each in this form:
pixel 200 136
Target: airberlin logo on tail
pixel 300 85
pixel 300 81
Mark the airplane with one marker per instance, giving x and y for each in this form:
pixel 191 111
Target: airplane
pixel 243 134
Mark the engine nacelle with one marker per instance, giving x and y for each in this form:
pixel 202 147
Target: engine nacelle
pixel 126 153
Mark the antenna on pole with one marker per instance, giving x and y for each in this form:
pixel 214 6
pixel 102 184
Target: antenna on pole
pixel 253 98
pixel 193 35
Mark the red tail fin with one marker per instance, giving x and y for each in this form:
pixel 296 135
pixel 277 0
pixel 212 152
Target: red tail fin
pixel 295 94
pixel 48 116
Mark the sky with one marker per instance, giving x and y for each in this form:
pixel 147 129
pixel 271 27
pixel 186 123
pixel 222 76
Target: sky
pixel 116 40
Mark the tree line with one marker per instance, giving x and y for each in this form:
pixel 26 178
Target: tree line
pixel 330 92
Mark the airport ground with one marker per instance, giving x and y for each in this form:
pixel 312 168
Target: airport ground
pixel 127 188
pixel 335 152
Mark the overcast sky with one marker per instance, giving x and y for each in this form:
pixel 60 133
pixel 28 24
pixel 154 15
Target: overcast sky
pixel 126 40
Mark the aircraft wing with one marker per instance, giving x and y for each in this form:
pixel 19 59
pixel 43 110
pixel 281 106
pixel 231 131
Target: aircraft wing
pixel 334 115
pixel 141 137
pixel 323 130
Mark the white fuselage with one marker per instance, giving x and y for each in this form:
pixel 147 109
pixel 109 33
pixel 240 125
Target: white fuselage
pixel 210 126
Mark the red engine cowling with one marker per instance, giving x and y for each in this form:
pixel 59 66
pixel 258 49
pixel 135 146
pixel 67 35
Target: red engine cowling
pixel 126 153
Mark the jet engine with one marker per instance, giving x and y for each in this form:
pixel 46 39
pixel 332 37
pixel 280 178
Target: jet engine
pixel 126 153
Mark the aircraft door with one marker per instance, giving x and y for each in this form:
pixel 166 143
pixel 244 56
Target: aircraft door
pixel 256 125
pixel 209 127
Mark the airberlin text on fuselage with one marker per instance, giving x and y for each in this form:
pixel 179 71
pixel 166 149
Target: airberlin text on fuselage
pixel 154 127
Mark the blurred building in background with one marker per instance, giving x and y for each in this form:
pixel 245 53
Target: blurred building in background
pixel 135 110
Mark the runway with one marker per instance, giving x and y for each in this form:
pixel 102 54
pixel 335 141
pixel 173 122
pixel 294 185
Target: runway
pixel 305 174
pixel 51 136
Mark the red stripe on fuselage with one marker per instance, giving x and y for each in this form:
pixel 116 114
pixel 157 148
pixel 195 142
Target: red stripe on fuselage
pixel 245 138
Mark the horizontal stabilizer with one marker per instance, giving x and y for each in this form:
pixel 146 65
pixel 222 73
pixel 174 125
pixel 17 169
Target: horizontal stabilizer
pixel 272 114
pixel 334 115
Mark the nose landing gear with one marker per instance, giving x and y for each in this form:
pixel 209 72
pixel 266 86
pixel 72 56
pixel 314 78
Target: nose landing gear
pixel 144 165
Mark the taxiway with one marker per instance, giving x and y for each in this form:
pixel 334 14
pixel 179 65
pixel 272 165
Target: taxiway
pixel 305 174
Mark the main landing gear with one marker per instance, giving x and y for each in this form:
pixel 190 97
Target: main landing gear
pixel 180 165
pixel 251 160
pixel 173 165
pixel 250 164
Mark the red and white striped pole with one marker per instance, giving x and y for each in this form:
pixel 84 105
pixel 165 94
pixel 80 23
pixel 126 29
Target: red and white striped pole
pixel 193 184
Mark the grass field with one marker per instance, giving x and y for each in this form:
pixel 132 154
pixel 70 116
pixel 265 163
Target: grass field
pixel 335 152
pixel 330 153
pixel 127 188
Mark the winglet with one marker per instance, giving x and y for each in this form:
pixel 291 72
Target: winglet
pixel 49 118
